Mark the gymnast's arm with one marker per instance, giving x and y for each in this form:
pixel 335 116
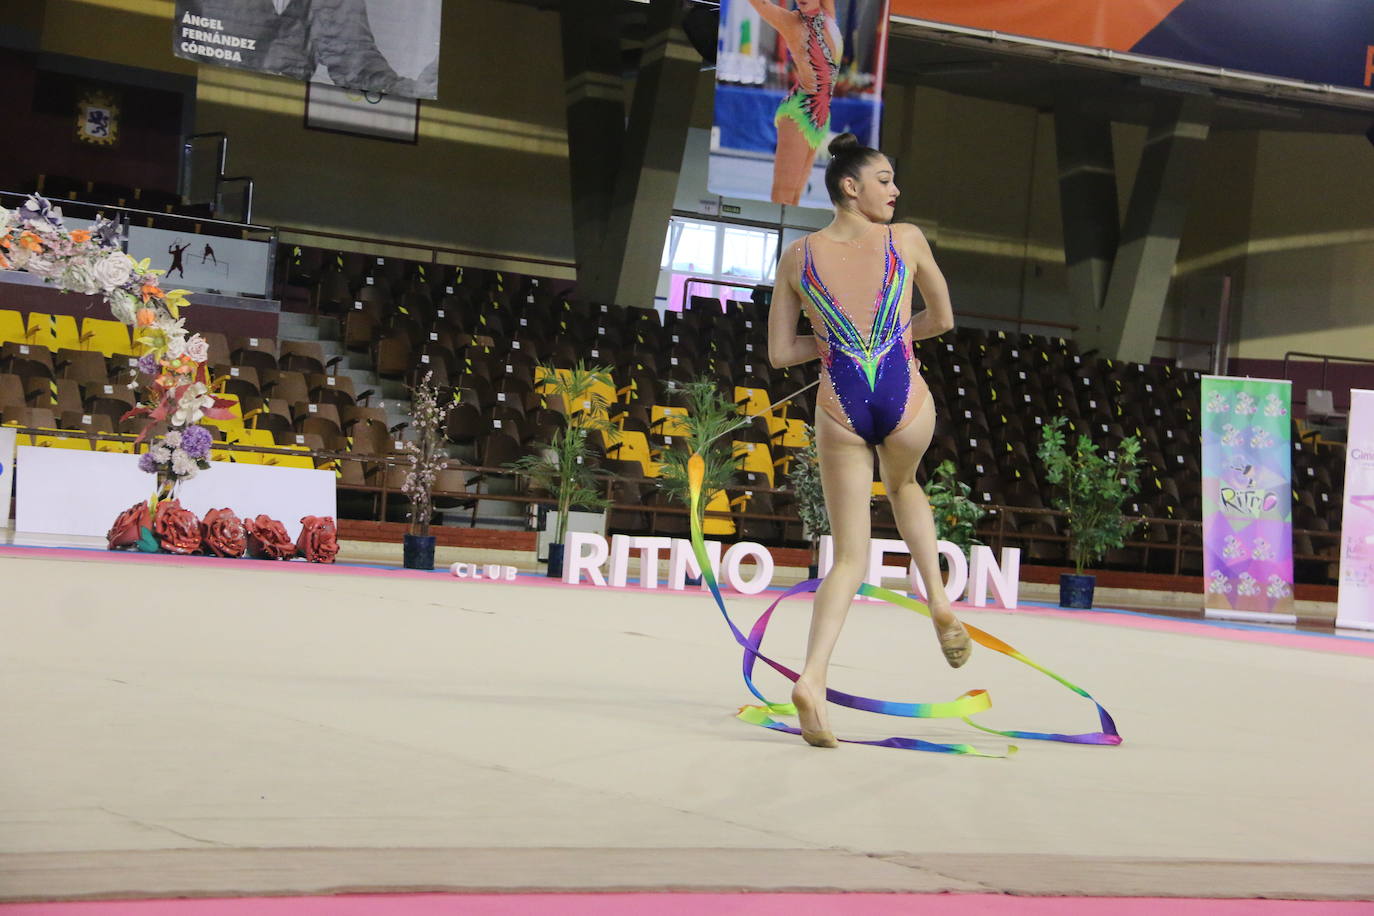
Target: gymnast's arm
pixel 938 315
pixel 772 14
pixel 785 347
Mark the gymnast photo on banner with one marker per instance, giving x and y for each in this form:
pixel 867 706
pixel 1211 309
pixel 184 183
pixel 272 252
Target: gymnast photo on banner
pixel 790 75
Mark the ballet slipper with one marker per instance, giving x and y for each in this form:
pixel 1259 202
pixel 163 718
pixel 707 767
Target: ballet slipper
pixel 816 737
pixel 955 644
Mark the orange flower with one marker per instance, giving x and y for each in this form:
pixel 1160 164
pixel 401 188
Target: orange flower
pixel 81 235
pixel 4 265
pixel 151 291
pixel 145 317
pixel 30 241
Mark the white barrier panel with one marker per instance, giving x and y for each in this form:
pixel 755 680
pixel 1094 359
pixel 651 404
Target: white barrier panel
pixel 6 474
pixel 64 491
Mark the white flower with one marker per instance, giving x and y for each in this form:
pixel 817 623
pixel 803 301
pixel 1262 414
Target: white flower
pixel 176 347
pixel 77 279
pixel 198 348
pixel 7 219
pixel 42 267
pixel 192 403
pixel 183 465
pixel 160 453
pixel 113 270
pixel 123 306
pixel 173 438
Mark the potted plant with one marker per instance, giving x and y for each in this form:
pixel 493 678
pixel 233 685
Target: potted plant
pixel 810 496
pixel 956 516
pixel 560 466
pixel 1091 490
pixel 711 417
pixel 427 458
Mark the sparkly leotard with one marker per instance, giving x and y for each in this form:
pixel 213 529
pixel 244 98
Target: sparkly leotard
pixel 810 109
pixel 869 377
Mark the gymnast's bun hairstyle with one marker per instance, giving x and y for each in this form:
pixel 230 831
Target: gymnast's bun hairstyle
pixel 847 157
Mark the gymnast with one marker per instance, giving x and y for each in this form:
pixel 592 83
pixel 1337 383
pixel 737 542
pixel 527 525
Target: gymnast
pixel 871 393
pixel 816 47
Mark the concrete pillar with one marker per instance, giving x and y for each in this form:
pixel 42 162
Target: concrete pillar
pixel 1087 199
pixel 595 98
pixel 624 177
pixel 1148 248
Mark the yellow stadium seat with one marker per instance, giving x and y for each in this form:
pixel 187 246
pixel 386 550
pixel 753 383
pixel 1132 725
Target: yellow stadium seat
pixel 261 438
pixel 303 460
pixel 751 401
pixel 796 435
pixel 879 489
pixel 117 446
pixel 12 327
pixel 757 459
pixel 109 337
pixel 722 526
pixel 666 420
pixel 54 331
pixel 79 444
pixel 235 457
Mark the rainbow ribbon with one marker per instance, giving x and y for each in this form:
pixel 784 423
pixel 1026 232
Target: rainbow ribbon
pixel 963 707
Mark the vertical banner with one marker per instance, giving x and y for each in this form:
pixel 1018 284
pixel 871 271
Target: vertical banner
pixel 6 474
pixel 1247 498
pixel 790 75
pixel 1355 604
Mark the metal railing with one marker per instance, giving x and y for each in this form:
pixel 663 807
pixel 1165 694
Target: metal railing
pixel 1182 540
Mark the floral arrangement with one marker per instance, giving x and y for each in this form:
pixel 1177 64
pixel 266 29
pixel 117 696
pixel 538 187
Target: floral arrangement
pixel 89 261
pixel 170 528
pixel 427 458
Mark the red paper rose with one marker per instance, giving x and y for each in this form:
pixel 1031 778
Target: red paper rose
pixel 267 539
pixel 223 533
pixel 125 530
pixel 176 529
pixel 318 541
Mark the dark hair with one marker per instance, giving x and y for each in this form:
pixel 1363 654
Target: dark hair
pixel 847 157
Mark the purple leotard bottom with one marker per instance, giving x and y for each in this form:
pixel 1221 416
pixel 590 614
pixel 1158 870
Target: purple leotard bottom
pixel 873 413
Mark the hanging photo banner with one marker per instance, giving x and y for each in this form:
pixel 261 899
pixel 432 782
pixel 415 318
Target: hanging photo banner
pixel 1247 498
pixel 790 75
pixel 389 46
pixel 1355 605
pixel 1277 38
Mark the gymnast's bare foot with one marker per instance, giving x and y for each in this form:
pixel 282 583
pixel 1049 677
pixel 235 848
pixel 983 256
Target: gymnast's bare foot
pixel 814 728
pixel 953 637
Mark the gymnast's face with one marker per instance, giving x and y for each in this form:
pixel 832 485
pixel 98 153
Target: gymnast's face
pixel 874 193
pixel 809 7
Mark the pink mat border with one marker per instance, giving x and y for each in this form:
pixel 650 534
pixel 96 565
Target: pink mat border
pixel 1320 642
pixel 682 904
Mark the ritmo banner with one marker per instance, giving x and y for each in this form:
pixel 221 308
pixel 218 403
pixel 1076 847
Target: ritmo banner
pixel 1247 498
pixel 1355 604
pixel 789 77
pixel 384 46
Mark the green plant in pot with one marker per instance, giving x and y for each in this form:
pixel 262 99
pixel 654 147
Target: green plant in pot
pixel 710 419
pixel 427 457
pixel 1090 490
pixel 810 496
pixel 956 515
pixel 560 466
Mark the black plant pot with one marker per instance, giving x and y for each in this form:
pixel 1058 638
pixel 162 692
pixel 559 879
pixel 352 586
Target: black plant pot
pixel 419 551
pixel 1076 591
pixel 813 572
pixel 555 561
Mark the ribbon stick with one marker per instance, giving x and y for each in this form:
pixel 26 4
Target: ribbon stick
pixel 963 707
